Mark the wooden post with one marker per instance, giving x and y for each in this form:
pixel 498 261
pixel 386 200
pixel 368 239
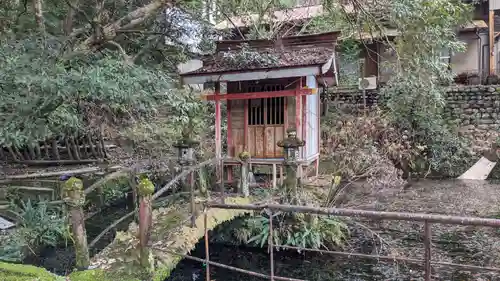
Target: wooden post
pixel 145 190
pixel 274 176
pixel 244 185
pixel 491 25
pixel 230 145
pixel 186 158
pixel 132 181
pixel 218 129
pixel 74 198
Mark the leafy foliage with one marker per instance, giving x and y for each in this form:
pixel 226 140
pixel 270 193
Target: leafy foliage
pixel 298 230
pixel 366 147
pixel 38 226
pixel 42 97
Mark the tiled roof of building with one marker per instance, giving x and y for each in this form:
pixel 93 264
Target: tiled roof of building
pixel 297 51
pixel 271 58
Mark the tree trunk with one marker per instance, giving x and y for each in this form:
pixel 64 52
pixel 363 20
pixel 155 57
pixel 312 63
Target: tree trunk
pixel 130 21
pixel 68 20
pixel 38 11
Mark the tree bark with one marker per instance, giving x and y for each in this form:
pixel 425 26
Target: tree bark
pixel 68 20
pixel 38 11
pixel 131 20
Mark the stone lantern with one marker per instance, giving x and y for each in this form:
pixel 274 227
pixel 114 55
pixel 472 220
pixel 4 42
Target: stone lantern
pixel 291 146
pixel 185 147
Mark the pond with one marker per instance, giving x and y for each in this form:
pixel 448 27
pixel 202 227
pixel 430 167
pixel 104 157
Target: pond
pixel 61 260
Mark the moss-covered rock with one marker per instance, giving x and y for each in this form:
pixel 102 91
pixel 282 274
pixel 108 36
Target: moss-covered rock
pixel 20 272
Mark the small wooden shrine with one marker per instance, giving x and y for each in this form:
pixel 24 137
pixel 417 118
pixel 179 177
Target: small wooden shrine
pixel 269 87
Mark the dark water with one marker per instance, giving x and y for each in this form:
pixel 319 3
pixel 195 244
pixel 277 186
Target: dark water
pixel 61 260
pixel 309 266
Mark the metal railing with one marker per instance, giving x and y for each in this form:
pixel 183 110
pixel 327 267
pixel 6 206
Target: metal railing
pixel 427 219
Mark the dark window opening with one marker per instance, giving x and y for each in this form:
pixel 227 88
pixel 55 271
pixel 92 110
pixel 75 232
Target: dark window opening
pixel 269 111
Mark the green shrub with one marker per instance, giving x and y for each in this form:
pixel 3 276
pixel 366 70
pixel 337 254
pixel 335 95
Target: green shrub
pixel 38 226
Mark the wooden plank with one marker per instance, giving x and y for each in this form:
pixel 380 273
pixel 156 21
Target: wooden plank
pixel 245 126
pixel 260 95
pixel 230 144
pixel 269 140
pixel 218 129
pixel 251 140
pixel 279 135
pixel 304 125
pixel 259 141
pixel 32 188
pixel 274 176
pixel 238 141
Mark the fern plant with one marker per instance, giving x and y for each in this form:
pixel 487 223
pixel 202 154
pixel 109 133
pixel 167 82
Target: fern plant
pixel 38 226
pixel 296 230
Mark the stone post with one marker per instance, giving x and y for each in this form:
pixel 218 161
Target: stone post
pixel 74 198
pixel 145 190
pixel 186 159
pixel 291 147
pixel 243 184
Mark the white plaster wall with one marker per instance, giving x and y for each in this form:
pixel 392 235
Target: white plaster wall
pixel 312 128
pixel 467 61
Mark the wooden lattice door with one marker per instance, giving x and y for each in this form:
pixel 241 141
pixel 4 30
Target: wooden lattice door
pixel 266 124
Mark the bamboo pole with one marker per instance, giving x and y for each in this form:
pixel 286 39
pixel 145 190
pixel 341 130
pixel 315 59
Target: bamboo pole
pixel 84 147
pixel 31 152
pixel 38 151
pixel 66 141
pixel 101 140
pixel 19 154
pixel 58 162
pixel 55 150
pixel 491 31
pixel 207 251
pixel 46 150
pixel 75 148
pixel 13 153
pixel 59 173
pixel 92 148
